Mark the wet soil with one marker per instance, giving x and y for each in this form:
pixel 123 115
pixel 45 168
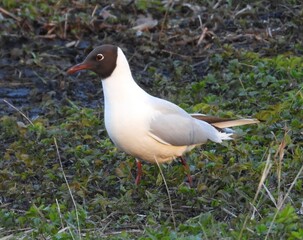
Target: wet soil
pixel 33 62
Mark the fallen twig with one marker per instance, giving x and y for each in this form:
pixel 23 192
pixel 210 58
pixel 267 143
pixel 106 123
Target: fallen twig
pixel 205 30
pixel 5 12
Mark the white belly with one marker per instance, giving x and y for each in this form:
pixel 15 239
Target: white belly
pixel 128 128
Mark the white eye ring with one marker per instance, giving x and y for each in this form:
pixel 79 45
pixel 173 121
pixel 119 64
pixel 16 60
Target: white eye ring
pixel 100 57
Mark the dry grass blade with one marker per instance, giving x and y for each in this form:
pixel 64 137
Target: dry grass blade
pixel 11 105
pixel 11 236
pixel 203 34
pixel 278 157
pixel 262 180
pixel 267 167
pixel 5 12
pixel 270 195
pixel 168 194
pixel 70 192
pixel 281 203
pixel 278 160
pixel 59 211
pixel 65 25
pixel 168 7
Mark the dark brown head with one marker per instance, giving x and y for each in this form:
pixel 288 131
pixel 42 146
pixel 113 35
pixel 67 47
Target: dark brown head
pixel 102 60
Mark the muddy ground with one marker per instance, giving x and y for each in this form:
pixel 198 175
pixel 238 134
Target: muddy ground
pixel 35 53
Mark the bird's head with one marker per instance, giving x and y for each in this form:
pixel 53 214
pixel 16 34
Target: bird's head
pixel 102 60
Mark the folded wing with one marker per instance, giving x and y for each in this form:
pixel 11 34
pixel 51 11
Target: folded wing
pixel 173 126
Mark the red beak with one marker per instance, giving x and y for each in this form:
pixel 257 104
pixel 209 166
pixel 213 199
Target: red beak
pixel 78 67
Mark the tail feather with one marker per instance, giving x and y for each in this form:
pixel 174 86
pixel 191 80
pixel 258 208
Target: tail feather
pixel 234 123
pixel 224 122
pixel 225 136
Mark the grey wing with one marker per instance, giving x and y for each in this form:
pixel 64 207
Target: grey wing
pixel 172 125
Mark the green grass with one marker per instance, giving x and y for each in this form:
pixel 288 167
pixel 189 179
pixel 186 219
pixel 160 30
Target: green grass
pixel 102 180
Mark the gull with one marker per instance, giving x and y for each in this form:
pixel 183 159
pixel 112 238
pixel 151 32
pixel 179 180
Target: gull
pixel 148 128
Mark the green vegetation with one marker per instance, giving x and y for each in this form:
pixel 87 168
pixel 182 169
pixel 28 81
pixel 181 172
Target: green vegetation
pixel 62 178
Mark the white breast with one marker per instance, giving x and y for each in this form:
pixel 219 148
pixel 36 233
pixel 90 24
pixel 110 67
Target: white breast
pixel 128 114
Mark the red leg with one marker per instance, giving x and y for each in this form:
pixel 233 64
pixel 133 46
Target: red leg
pixel 139 172
pixel 187 170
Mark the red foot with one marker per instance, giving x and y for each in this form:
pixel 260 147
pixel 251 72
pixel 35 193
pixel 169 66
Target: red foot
pixel 187 170
pixel 139 172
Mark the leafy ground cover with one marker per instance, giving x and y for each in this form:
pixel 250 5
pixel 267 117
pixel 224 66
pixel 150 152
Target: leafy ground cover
pixel 62 178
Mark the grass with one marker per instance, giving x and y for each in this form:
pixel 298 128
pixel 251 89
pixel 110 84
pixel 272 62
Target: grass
pixel 62 178
pixel 227 201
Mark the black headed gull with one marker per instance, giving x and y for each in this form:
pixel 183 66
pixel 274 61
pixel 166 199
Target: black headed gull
pixel 147 127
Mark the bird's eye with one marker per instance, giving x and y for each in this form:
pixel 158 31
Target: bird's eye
pixel 100 57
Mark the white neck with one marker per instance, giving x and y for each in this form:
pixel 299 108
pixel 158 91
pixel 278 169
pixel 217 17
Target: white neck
pixel 120 86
